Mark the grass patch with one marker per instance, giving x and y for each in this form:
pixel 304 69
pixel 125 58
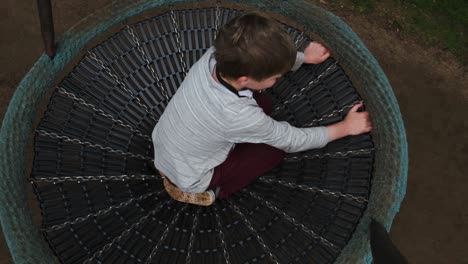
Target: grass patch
pixel 364 6
pixel 441 23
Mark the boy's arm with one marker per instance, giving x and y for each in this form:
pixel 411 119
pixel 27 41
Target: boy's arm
pixel 253 126
pixel 314 53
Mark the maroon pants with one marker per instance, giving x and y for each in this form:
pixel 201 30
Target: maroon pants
pixel 247 161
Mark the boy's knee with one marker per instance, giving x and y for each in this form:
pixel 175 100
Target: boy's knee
pixel 265 102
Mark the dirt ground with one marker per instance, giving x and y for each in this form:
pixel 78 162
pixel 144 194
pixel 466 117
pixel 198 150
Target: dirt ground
pixel 429 83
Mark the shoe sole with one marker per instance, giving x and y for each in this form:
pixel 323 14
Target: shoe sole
pixel 204 199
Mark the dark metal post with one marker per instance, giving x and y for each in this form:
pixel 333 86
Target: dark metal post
pixel 47 26
pixel 383 250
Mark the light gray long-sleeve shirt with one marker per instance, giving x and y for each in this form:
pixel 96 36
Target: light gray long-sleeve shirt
pixel 204 120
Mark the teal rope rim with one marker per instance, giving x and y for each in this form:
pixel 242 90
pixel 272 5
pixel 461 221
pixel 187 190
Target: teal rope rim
pixel 390 174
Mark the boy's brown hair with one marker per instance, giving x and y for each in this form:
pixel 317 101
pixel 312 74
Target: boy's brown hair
pixel 253 45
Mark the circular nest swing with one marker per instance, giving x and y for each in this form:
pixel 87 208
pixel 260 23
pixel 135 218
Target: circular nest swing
pixel 102 203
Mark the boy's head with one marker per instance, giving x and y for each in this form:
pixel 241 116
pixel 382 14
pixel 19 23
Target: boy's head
pixel 255 46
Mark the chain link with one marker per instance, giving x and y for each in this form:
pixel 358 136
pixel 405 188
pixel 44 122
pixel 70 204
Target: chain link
pixel 348 196
pixel 217 19
pixel 149 65
pixel 299 40
pixel 179 44
pixel 188 260
pixel 100 178
pixel 221 235
pixel 259 239
pixel 101 112
pixel 332 114
pixel 89 144
pixel 309 85
pixel 124 233
pixel 100 212
pixel 93 56
pixel 163 236
pixel 334 155
pixel 293 221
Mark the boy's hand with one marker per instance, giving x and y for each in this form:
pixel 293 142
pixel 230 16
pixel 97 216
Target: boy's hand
pixel 315 53
pixel 355 123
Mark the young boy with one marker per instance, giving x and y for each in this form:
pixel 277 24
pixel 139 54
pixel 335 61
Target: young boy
pixel 216 136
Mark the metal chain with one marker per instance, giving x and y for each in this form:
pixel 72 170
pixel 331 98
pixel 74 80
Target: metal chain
pixel 145 57
pixel 259 239
pixel 101 112
pixel 179 44
pixel 163 236
pixel 100 178
pixel 121 84
pixel 89 144
pixel 300 39
pixel 221 235
pixel 100 212
pixel 124 233
pixel 293 221
pixel 335 154
pixel 192 236
pixel 332 114
pixel 64 198
pixel 348 196
pixel 217 19
pixel 309 85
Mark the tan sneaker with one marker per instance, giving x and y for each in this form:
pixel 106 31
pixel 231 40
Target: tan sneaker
pixel 205 198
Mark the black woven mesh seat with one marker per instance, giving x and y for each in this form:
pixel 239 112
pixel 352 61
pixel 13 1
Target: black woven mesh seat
pixel 102 202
